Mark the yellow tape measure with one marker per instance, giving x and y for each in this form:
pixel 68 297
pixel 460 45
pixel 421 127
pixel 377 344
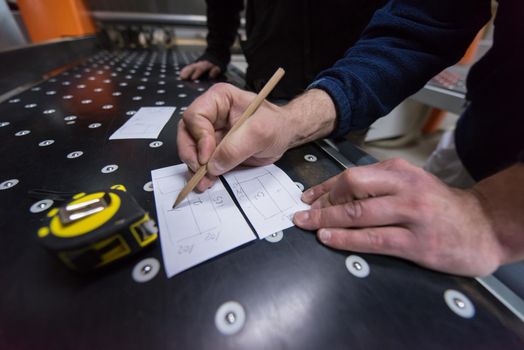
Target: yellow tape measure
pixel 93 230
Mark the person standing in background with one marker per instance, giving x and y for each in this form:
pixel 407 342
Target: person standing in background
pixel 302 36
pixel 393 207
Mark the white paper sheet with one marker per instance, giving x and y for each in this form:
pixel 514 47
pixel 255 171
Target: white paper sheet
pixel 203 226
pixel 267 196
pixel 147 123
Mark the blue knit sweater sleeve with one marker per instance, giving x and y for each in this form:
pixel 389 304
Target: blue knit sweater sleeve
pixel 406 43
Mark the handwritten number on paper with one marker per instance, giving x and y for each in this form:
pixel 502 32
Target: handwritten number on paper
pixel 185 249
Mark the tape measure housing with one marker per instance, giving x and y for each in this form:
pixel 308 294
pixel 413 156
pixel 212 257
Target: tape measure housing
pixel 95 229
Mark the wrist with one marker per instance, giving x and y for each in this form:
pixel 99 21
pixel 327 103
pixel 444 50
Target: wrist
pixel 501 197
pixel 310 116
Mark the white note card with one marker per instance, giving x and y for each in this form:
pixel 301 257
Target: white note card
pixel 203 226
pixel 267 196
pixel 147 123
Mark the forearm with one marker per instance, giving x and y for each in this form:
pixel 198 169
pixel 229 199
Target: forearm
pixel 311 116
pixel 223 20
pixel 502 199
pixel 406 43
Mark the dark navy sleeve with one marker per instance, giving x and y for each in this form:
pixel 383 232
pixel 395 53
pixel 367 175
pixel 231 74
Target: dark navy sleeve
pixel 521 156
pixel 223 21
pixel 406 43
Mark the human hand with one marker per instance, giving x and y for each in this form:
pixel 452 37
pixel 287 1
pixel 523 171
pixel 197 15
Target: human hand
pixel 261 140
pixel 197 69
pixel 397 209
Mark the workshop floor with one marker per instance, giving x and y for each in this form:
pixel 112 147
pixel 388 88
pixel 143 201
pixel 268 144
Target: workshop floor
pixel 416 152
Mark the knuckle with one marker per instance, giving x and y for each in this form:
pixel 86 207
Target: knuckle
pixel 186 155
pixel 375 239
pixel 354 209
pixel 219 87
pixel 187 116
pixel 260 131
pixel 317 219
pixel 346 176
pixel 228 151
pixel 396 164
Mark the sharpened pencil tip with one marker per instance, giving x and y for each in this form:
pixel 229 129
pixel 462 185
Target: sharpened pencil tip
pixel 177 202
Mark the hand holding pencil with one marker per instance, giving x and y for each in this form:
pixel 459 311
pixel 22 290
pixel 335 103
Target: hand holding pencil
pixel 213 115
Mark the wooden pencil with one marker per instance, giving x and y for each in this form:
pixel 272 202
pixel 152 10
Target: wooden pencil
pixel 253 106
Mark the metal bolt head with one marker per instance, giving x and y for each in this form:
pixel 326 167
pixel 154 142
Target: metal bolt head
pixel 22 133
pixel 357 265
pixel 231 317
pixel 46 143
pixel 109 168
pixel 8 184
pixel 460 304
pixel 146 269
pixel 310 158
pixel 75 154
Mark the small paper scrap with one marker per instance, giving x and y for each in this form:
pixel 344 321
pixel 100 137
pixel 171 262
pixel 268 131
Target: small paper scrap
pixel 147 123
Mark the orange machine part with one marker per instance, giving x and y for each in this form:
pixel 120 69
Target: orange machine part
pixel 53 19
pixel 435 118
pixel 471 52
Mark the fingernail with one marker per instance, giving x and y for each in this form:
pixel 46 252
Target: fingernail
pixel 308 195
pixel 302 217
pixel 215 167
pixel 324 235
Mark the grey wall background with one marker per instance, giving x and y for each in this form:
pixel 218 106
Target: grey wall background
pixel 10 33
pixel 179 7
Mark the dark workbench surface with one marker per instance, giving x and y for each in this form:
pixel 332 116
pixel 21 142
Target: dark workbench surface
pixel 296 293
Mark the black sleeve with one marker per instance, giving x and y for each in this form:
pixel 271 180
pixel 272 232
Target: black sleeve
pixel 223 20
pixel 521 156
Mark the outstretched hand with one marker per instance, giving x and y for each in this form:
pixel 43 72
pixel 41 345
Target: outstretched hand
pixel 196 70
pixel 397 209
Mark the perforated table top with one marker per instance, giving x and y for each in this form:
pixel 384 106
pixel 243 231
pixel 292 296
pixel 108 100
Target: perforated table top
pixel 285 292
